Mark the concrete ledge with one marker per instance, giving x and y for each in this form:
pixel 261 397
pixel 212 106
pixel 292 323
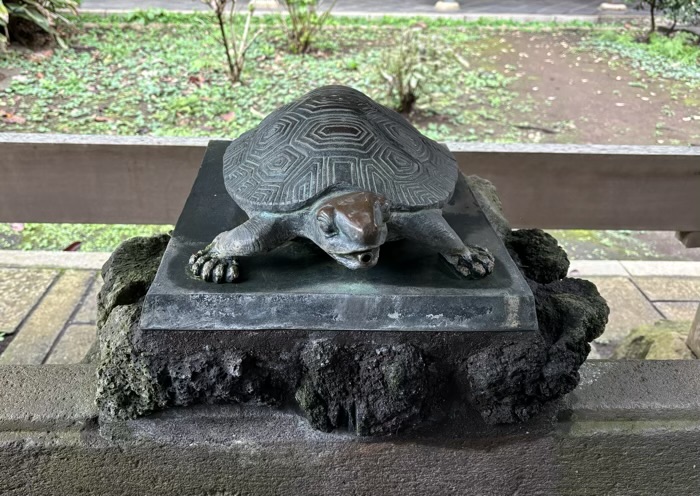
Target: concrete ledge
pixel 631 428
pixel 46 397
pixel 590 268
pixel 639 268
pixel 53 259
pixel 62 396
pixel 637 390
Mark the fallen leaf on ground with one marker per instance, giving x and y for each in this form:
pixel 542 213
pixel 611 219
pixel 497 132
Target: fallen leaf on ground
pixel 40 56
pixel 9 118
pixel 74 246
pixel 198 80
pixel 228 117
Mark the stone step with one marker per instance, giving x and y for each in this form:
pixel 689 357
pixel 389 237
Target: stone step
pixel 41 330
pixel 638 292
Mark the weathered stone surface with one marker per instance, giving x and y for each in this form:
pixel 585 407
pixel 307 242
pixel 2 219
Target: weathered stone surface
pixel 39 398
pixel 628 309
pixel 40 330
pixel 74 344
pixel 678 310
pixel 487 196
pixel 87 313
pixel 20 290
pixel 126 386
pixel 383 390
pixel 665 340
pixel 538 255
pixel 670 288
pixel 129 272
pixel 133 380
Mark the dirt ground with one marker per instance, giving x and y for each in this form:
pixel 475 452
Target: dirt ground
pixel 585 97
pixel 568 94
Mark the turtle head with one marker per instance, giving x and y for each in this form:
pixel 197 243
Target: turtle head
pixel 351 227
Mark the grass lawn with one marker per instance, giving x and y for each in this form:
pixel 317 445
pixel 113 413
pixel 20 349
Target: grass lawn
pixel 162 74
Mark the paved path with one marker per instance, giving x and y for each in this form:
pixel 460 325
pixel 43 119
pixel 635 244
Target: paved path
pixel 48 301
pixel 403 7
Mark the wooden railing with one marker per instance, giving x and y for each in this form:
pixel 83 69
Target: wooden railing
pixel 111 179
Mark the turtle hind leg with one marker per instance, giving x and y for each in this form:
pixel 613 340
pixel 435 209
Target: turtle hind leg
pixel 218 262
pixel 430 228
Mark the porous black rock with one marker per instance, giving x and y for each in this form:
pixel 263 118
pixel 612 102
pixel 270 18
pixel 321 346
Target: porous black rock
pixel 129 272
pixel 370 384
pixel 513 383
pixel 133 381
pixel 538 255
pixel 369 391
pixel 126 386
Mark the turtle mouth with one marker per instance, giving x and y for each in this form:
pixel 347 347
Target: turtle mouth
pixel 358 259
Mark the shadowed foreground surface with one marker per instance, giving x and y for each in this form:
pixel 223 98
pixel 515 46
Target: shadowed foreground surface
pixel 630 428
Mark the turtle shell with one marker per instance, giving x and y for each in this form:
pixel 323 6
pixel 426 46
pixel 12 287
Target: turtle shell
pixel 336 138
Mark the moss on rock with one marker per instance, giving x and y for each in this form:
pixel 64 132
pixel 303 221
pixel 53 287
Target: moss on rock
pixel 665 340
pixel 129 272
pixel 127 386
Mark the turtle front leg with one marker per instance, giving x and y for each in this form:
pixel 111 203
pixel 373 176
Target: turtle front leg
pixel 218 262
pixel 430 228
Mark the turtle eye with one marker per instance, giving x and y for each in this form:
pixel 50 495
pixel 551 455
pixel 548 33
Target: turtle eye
pixel 325 222
pixel 384 208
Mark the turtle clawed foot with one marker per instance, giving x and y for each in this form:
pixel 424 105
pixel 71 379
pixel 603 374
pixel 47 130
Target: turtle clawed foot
pixel 473 263
pixel 208 267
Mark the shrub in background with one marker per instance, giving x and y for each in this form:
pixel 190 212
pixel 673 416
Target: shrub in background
pixel 235 43
pixel 680 12
pixel 406 70
pixel 304 22
pixel 34 23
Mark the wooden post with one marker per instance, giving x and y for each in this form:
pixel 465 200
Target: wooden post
pixel 690 239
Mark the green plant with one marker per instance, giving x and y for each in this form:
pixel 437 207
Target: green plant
pixel 678 11
pixel 4 20
pixel 686 12
pixel 235 44
pixel 406 69
pixel 25 19
pixel 304 22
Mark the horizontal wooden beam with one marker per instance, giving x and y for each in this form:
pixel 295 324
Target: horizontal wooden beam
pixel 143 180
pixel 591 186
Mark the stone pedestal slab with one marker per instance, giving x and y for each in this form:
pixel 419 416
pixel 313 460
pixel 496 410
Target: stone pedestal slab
pixel 298 286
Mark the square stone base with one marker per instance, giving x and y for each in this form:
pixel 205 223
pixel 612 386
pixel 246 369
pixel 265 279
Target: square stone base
pixel 299 287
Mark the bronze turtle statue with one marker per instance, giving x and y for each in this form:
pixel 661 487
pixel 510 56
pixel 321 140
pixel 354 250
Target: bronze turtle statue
pixel 345 172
